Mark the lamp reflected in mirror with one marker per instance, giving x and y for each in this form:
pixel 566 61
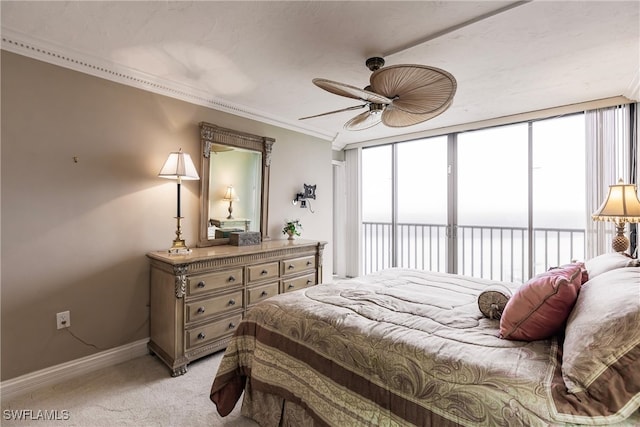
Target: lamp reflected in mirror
pixel 230 196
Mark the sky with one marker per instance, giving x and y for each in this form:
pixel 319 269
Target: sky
pixel 492 177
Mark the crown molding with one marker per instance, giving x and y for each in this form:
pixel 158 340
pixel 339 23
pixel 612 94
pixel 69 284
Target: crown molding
pixel 45 51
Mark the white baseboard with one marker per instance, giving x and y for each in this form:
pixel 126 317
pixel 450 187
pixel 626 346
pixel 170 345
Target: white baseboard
pixel 64 371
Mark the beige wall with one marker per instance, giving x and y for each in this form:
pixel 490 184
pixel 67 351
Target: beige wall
pixel 75 234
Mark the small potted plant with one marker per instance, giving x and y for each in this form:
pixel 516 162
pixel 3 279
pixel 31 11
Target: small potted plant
pixel 292 228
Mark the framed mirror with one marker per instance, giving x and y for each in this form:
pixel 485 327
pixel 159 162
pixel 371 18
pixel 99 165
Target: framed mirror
pixel 234 184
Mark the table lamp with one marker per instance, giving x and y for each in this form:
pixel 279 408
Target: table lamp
pixel 621 206
pixel 179 166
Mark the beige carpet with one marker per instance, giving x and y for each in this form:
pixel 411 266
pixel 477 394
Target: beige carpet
pixel 140 393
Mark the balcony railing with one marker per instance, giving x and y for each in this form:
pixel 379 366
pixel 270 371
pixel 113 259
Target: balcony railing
pixel 498 253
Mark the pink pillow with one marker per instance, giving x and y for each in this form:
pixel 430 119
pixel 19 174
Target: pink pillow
pixel 539 308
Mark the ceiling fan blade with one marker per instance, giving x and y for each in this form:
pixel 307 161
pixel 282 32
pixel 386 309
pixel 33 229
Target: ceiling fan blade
pixel 396 118
pixel 355 107
pixel 350 91
pixel 363 121
pixel 415 89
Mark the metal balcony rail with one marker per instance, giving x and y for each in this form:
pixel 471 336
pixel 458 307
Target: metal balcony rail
pixel 497 253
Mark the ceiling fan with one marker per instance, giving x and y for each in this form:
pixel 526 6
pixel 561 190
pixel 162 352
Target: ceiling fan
pixel 397 96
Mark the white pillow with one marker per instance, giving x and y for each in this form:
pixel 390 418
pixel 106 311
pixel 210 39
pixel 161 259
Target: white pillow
pixel 605 262
pixel 601 350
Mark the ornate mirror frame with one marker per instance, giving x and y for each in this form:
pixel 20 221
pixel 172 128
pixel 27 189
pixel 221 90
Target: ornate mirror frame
pixel 212 134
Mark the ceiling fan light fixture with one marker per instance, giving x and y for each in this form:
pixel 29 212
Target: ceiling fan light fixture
pixel 376 108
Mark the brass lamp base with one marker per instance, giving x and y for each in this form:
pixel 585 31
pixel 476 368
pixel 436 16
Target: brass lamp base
pixel 620 243
pixel 179 247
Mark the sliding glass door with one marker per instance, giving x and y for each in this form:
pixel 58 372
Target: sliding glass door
pixel 493 203
pixel 377 208
pixel 421 240
pixel 559 191
pixel 502 203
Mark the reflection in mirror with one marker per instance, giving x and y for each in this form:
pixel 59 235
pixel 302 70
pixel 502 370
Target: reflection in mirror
pixel 235 184
pixel 234 189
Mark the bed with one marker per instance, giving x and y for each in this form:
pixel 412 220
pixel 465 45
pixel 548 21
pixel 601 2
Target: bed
pixel 411 347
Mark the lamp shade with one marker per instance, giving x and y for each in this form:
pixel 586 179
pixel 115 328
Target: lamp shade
pixel 621 205
pixel 230 194
pixel 179 166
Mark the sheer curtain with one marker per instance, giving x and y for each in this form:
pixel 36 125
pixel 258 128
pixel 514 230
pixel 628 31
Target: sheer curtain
pixel 635 171
pixel 339 219
pixel 353 255
pixel 611 154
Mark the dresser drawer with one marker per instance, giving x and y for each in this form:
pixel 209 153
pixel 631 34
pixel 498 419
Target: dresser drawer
pixel 298 283
pixel 260 293
pixel 296 265
pixel 263 271
pixel 197 285
pixel 211 332
pixel 200 310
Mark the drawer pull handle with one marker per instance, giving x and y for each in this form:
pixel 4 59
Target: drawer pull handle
pixel 264 293
pixel 232 325
pixel 200 310
pixel 309 263
pixel 263 272
pixel 200 284
pixel 291 285
pixel 201 336
pixel 291 267
pixel 232 279
pixel 309 282
pixel 232 302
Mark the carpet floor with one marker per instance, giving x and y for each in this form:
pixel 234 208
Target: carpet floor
pixel 139 392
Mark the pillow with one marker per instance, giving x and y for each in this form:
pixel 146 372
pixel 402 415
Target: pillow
pixel 585 273
pixel 601 350
pixel 605 262
pixel 539 308
pixel 492 301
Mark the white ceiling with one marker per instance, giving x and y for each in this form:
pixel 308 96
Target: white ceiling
pixel 257 58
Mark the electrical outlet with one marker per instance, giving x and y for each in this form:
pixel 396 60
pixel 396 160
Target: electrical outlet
pixel 63 319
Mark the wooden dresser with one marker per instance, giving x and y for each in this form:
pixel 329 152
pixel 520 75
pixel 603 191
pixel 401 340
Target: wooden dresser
pixel 197 300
